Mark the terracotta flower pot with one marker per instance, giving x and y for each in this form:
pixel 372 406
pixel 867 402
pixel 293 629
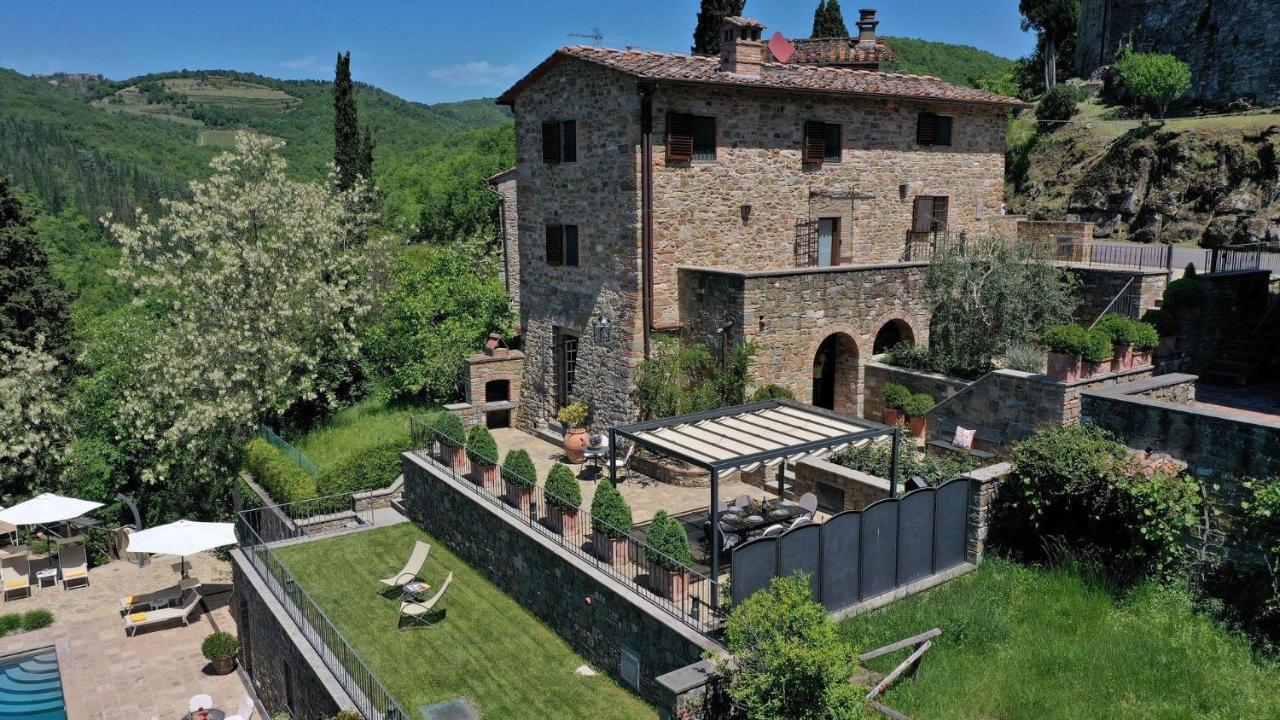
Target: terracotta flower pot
pixel 486 475
pixel 1141 358
pixel 1093 369
pixel 576 441
pixel 223 666
pixel 892 416
pixel 1063 367
pixel 519 496
pixel 564 522
pixel 1122 359
pixel 672 585
pixel 455 457
pixel 611 550
pixel 916 426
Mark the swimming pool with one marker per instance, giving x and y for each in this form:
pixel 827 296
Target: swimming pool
pixel 31 687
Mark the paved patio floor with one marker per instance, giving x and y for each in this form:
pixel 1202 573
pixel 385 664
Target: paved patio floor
pixel 108 676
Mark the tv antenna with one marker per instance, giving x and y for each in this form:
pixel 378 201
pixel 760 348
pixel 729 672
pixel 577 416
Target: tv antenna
pixel 595 36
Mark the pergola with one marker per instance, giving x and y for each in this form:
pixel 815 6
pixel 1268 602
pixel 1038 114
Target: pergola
pixel 745 437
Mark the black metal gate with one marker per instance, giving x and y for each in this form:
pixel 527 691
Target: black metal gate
pixel 806 250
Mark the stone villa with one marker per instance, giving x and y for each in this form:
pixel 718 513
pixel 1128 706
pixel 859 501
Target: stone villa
pixel 728 199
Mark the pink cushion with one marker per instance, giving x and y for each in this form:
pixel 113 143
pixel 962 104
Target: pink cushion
pixel 964 438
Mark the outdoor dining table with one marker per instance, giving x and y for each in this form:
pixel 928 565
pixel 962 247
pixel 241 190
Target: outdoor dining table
pixel 771 512
pixel 213 713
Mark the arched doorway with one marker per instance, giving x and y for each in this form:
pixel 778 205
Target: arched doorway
pixel 892 333
pixel 835 374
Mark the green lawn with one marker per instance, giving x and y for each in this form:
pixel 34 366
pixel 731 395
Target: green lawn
pixel 487 648
pixel 1022 642
pixel 355 428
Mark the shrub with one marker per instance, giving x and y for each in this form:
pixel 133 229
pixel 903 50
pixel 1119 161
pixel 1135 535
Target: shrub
pixel 348 715
pixel 369 468
pixel 909 355
pixel 790 662
pixel 1058 105
pixel 1025 357
pixel 896 396
pixel 219 646
pixel 1144 336
pixel 10 623
pixel 518 470
pixel 1162 320
pixel 772 392
pixel 574 415
pixel 1185 293
pixel 682 378
pixel 874 458
pixel 1189 271
pixel 279 475
pixel 36 619
pixel 667 543
pixel 1066 339
pixel 562 488
pixel 450 430
pixel 1097 346
pixel 918 405
pixel 610 513
pixel 1116 326
pixel 1155 80
pixel 481 447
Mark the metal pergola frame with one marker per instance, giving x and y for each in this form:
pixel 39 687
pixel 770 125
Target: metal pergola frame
pixel 635 433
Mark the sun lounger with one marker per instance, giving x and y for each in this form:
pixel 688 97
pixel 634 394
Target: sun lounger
pixel 158 598
pixel 15 573
pixel 73 566
pixel 411 568
pixel 182 613
pixel 419 613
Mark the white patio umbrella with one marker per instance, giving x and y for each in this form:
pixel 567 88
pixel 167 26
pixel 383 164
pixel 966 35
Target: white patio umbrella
pixel 47 508
pixel 184 537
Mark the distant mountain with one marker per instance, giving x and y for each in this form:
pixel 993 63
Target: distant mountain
pixel 959 64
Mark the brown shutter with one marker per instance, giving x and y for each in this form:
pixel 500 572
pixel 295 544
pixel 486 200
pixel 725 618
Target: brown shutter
pixel 551 141
pixel 555 245
pixel 926 128
pixel 922 213
pixel 679 137
pixel 815 142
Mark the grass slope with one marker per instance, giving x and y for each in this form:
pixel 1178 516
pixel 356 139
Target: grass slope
pixel 487 648
pixel 960 64
pixel 1021 642
pixel 355 428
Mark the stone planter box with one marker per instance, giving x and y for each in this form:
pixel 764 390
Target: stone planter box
pixel 454 457
pixel 1141 358
pixel 1063 367
pixel 1092 369
pixel 610 550
pixel 1122 358
pixel 486 475
pixel 519 496
pixel 671 585
pixel 562 521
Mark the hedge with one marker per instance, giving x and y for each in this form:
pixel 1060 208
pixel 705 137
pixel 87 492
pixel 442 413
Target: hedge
pixel 279 475
pixel 373 467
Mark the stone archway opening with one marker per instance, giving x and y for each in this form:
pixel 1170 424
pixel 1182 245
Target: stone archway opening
pixel 835 374
pixel 892 333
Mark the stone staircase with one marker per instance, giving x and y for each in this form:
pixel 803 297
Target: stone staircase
pixel 1249 350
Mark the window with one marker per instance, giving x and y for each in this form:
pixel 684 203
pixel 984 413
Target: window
pixel 930 213
pixel 566 359
pixel 629 668
pixel 821 143
pixel 933 129
pixel 559 141
pixel 562 245
pixel 830 498
pixel 690 137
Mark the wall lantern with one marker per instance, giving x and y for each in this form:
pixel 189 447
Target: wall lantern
pixel 745 210
pixel 600 331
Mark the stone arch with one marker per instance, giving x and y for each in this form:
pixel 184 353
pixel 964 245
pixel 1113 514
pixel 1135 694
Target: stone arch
pixel 835 372
pixel 891 333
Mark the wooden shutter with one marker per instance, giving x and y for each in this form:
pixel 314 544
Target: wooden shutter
pixel 926 128
pixel 551 141
pixel 555 245
pixel 922 213
pixel 815 142
pixel 679 137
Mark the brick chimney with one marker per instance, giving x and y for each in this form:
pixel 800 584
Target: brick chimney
pixel 867 23
pixel 741 51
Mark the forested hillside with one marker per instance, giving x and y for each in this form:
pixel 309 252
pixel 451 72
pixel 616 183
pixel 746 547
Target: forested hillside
pixel 961 64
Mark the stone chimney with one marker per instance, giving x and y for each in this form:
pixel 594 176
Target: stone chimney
pixel 741 51
pixel 867 23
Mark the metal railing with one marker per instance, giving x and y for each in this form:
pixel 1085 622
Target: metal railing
pixel 925 245
pixel 675 587
pixel 1133 256
pixel 1233 258
pixel 288 522
pixel 294 453
pixel 1125 303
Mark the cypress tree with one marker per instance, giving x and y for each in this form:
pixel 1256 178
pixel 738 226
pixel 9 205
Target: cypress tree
pixel 828 21
pixel 32 300
pixel 706 36
pixel 819 20
pixel 346 135
pixel 366 155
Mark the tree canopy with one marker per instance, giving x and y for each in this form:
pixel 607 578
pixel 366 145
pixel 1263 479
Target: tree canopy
pixel 33 302
pixel 828 21
pixel 706 35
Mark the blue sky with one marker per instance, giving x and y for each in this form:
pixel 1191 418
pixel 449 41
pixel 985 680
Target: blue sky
pixel 424 50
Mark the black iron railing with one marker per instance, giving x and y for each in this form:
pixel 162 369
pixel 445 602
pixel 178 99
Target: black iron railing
pixel 926 245
pixel 1134 256
pixel 675 587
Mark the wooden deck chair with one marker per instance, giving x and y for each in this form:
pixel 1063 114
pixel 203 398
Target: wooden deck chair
pixel 15 573
pixel 73 566
pixel 164 615
pixel 412 567
pixel 419 614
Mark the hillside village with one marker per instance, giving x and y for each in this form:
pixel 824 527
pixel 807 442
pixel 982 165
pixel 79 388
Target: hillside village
pixel 842 376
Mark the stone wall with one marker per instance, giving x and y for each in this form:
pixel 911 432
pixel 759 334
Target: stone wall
pixel 504 185
pixel 878 374
pixel 1052 230
pixel 596 614
pixel 1229 298
pixel 1099 286
pixel 860 489
pixel 1223 41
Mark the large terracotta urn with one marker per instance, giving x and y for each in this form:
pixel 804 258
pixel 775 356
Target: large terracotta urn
pixel 916 426
pixel 576 441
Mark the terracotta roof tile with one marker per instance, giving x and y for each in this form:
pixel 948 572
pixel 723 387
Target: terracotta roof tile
pixel 674 67
pixel 835 51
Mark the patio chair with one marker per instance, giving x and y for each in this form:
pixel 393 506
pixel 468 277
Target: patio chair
pixel 809 502
pixel 73 566
pixel 181 612
pixel 411 568
pixel 245 710
pixel 199 702
pixel 620 464
pixel 802 520
pixel 15 572
pixel 419 614
pixel 772 530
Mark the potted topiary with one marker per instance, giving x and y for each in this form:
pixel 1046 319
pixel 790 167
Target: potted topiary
pixel 521 478
pixel 610 524
pixel 917 407
pixel 482 450
pixel 669 554
pixel 1120 329
pixel 576 438
pixel 1166 326
pixel 1145 341
pixel 1096 354
pixel 220 650
pixel 895 398
pixel 453 437
pixel 1065 344
pixel 563 500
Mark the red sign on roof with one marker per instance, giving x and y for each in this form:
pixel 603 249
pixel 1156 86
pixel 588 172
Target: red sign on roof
pixel 781 48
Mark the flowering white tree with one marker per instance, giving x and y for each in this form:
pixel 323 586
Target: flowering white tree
pixel 254 284
pixel 32 416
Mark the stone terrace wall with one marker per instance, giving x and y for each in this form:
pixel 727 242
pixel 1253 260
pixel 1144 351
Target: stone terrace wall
pixel 1229 298
pixel 1153 414
pixel 860 489
pixel 594 613
pixel 878 374
pixel 1099 286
